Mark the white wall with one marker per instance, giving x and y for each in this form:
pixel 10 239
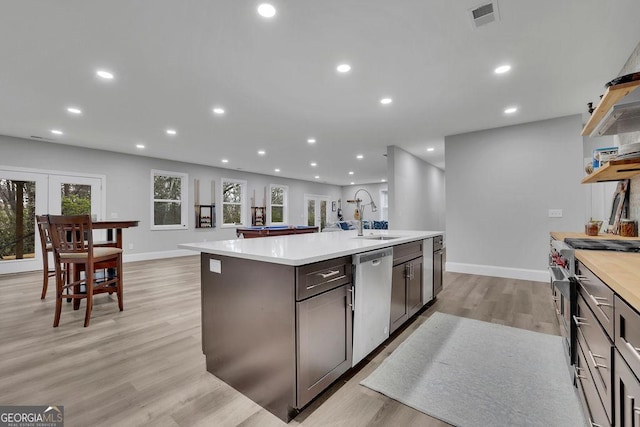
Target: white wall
pixel 128 190
pixel 416 192
pixel 501 184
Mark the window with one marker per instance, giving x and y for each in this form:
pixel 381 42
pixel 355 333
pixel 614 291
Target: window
pixel 233 202
pixel 169 196
pixel 278 204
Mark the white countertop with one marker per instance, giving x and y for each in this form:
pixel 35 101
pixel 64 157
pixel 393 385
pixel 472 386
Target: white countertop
pixel 301 249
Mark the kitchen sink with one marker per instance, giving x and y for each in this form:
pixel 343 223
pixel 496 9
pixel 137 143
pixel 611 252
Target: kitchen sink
pixel 378 237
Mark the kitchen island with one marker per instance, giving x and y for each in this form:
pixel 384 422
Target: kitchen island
pixel 277 311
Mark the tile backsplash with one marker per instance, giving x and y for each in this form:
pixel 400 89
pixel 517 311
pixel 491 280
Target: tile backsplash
pixel 632 66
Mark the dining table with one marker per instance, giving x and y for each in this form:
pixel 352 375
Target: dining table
pixel 113 225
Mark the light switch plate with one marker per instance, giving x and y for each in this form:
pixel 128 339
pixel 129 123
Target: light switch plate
pixel 555 213
pixel 215 266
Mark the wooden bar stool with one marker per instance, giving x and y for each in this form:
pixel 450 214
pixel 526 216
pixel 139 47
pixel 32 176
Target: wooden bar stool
pixel 45 243
pixel 72 241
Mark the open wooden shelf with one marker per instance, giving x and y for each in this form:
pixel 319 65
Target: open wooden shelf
pixel 610 98
pixel 615 170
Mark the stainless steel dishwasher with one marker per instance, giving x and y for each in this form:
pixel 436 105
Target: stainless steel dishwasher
pixel 371 301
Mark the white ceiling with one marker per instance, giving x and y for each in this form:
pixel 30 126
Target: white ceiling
pixel 175 60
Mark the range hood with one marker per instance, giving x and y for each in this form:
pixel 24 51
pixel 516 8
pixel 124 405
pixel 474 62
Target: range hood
pixel 622 117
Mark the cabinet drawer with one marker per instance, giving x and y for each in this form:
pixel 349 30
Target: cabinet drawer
pixel 599 297
pixel 628 333
pixel 627 399
pixel 407 252
pixel 593 407
pixel 313 279
pixel 596 347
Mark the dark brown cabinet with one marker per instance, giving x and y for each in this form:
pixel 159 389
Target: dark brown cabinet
pixel 406 283
pixel 323 326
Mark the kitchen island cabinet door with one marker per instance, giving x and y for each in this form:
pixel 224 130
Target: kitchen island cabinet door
pixel 324 341
pixel 399 312
pixel 414 286
pixel 627 396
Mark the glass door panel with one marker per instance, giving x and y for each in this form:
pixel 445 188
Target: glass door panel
pixel 316 210
pixel 22 196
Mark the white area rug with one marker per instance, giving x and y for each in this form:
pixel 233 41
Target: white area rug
pixel 472 373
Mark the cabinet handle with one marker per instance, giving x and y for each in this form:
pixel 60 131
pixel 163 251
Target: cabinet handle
pixel 579 321
pixel 577 369
pixel 329 274
pixel 635 351
pixel 596 364
pixel 351 298
pixel 636 416
pixel 583 278
pixel 596 301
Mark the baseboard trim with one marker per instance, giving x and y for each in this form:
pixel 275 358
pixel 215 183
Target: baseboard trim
pixel 495 271
pixel 147 256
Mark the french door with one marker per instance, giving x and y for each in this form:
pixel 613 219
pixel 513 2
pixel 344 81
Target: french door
pixel 26 193
pixel 316 210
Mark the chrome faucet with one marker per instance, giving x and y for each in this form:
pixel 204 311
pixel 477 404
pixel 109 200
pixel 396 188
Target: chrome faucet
pixel 360 208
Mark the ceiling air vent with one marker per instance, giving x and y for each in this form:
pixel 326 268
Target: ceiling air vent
pixel 484 14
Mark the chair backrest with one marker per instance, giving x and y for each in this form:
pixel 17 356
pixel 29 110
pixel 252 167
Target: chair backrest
pixel 43 229
pixel 71 233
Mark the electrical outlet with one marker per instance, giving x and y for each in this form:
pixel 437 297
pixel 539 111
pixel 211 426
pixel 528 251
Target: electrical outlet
pixel 114 215
pixel 130 245
pixel 555 213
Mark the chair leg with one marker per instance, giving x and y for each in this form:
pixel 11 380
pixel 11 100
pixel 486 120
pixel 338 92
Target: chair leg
pixel 120 283
pixel 59 281
pixel 45 271
pixel 89 289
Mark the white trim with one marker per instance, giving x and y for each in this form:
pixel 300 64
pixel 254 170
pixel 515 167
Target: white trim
pixel 148 256
pixel 184 200
pixel 495 271
pixel 243 202
pixel 285 204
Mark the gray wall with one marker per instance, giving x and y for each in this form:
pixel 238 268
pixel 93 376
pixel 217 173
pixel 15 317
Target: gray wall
pixel 500 185
pixel 416 192
pixel 128 189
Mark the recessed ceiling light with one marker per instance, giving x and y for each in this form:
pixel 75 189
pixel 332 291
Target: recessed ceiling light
pixel 383 180
pixel 385 101
pixel 104 74
pixel 352 183
pixel 225 160
pixel 218 110
pixel 343 68
pixel 266 10
pixel 350 172
pixel 262 152
pixel 502 69
pixel 56 132
pixel 276 170
pixel 74 110
pixel 317 177
pixel 510 110
pixel 314 164
pixel 140 146
pixel 311 140
pixel 171 132
pixel 359 156
pixel 430 149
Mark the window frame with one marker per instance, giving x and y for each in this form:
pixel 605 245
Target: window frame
pixel 184 200
pixel 285 204
pixel 243 202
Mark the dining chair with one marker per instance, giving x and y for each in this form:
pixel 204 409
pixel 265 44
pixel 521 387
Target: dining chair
pixel 72 241
pixel 45 242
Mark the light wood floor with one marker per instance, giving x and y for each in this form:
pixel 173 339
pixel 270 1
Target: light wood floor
pixel 144 366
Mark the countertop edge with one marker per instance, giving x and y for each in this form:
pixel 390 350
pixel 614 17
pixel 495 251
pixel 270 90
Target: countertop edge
pixel 206 247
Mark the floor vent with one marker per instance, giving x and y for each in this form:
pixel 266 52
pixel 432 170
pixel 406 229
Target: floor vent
pixel 484 14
